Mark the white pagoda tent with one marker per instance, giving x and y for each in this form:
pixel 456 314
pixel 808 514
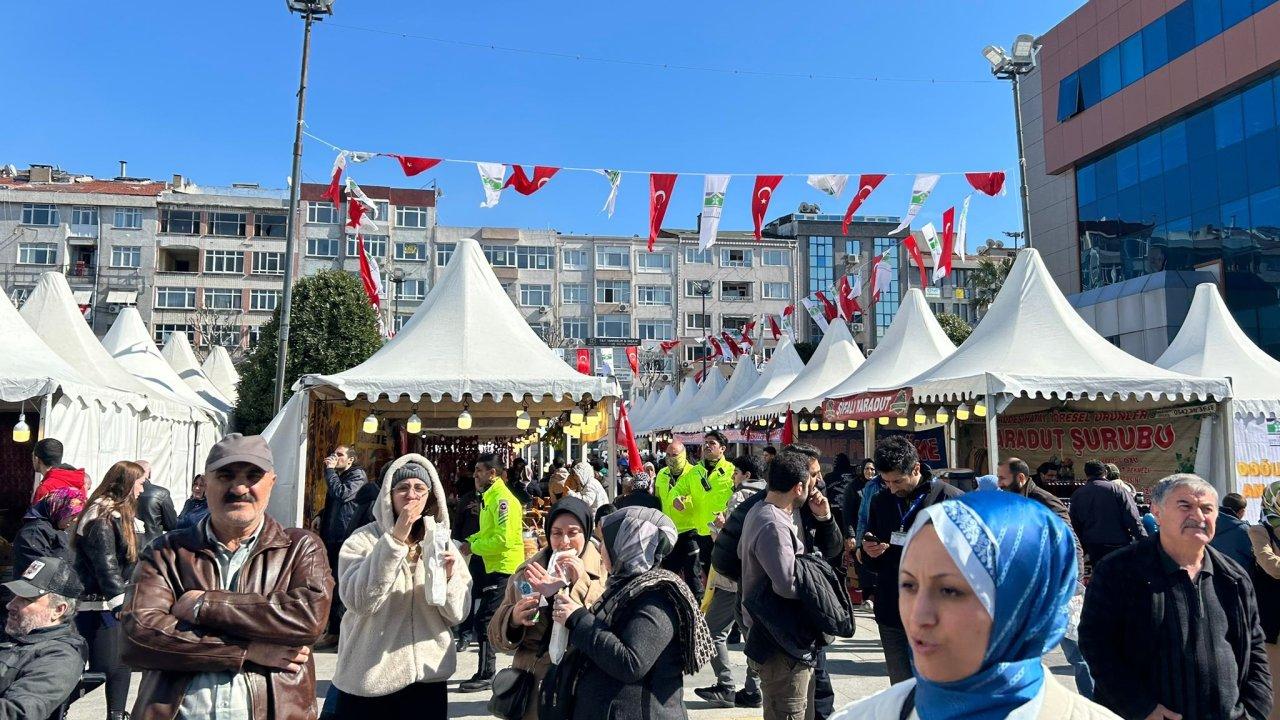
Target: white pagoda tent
pixel 708 391
pixel 783 367
pixel 683 401
pixel 657 406
pixel 178 353
pixel 222 373
pixel 740 382
pixel 835 359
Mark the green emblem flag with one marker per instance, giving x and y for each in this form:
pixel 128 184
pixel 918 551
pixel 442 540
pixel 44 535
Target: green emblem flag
pixel 714 188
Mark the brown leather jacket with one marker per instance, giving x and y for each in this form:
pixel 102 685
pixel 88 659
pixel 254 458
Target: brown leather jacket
pixel 283 597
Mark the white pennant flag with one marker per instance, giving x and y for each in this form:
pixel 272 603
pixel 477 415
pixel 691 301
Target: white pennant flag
pixel 920 191
pixel 962 225
pixel 615 179
pixel 605 366
pixel 359 157
pixel 930 236
pixel 713 192
pixel 832 185
pixel 491 176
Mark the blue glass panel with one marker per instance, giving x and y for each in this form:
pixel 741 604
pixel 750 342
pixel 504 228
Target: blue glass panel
pixel 1236 214
pixel 1208 14
pixel 1090 84
pixel 1127 166
pixel 1204 182
pixel 1149 157
pixel 1109 72
pixel 1200 137
pixel 1259 109
pixel 1086 190
pixel 1068 96
pixel 1233 11
pixel 1261 159
pixel 1107 207
pixel 1129 205
pixel 1105 175
pixel 1228 122
pixel 1264 208
pixel 1232 183
pixel 1180 29
pixel 1155 46
pixel 1153 200
pixel 1088 213
pixel 1131 59
pixel 1177 192
pixel 1173 145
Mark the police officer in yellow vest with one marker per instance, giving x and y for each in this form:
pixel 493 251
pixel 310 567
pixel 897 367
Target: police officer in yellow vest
pixel 675 487
pixel 712 497
pixel 500 543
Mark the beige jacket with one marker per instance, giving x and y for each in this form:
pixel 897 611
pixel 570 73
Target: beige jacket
pixel 1054 702
pixel 1265 553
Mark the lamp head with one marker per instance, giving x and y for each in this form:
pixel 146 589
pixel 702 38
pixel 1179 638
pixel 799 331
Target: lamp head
pixel 996 56
pixel 315 7
pixel 1024 49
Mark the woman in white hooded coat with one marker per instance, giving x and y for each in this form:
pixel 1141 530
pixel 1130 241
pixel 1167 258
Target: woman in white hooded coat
pixel 588 489
pixel 404 585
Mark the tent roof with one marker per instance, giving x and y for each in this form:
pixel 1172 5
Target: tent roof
pixel 657 408
pixel 222 372
pixel 637 407
pixel 1211 344
pixel 29 368
pixel 708 391
pixel 177 352
pixel 466 339
pixel 131 345
pixel 1032 343
pixel 779 372
pixel 913 343
pixel 678 407
pixel 835 358
pixel 740 383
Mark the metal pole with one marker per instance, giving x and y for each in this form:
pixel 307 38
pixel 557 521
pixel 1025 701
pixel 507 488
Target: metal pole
pixel 704 290
pixel 1022 159
pixel 295 189
pixel 993 447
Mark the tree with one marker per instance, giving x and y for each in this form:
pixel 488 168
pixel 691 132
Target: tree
pixel 988 278
pixel 333 328
pixel 805 349
pixel 955 327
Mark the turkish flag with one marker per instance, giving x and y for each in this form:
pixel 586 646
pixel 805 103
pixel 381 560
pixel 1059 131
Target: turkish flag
pixel 866 184
pixel 733 346
pixel 788 428
pixel 848 297
pixel 661 186
pixel 910 243
pixel 525 185
pixel 584 361
pixel 988 183
pixel 368 278
pixel 773 326
pixel 668 345
pixel 788 310
pixel 715 345
pixel 625 438
pixel 415 165
pixel 633 359
pixel 829 310
pixel 948 244
pixel 334 192
pixel 760 197
pixel 355 212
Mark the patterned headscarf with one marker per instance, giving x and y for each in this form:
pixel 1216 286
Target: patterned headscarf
pixel 636 538
pixel 1019 559
pixel 58 506
pixel 1271 504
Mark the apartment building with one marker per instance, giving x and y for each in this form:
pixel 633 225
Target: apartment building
pixel 953 294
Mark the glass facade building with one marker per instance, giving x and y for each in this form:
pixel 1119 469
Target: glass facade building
pixel 887 307
pixel 1199 190
pixel 821 272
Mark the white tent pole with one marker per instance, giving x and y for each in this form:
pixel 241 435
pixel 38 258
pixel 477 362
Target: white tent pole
pixel 300 479
pixel 993 447
pixel 1227 421
pixel 612 443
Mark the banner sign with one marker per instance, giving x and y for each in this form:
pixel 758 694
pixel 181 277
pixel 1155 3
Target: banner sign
pixel 866 406
pixel 1257 459
pixel 930 444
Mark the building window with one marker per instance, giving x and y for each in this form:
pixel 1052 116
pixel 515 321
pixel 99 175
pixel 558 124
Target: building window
pixel 535 295
pixel 413 289
pixel 126 256
pixel 574 328
pixel 164 330
pixel 128 218
pixel 535 257
pixel 444 253
pixel 697 288
pixel 611 257
pixel 659 262
pixel 653 295
pixel 269 226
pixel 227 224
pixel 613 326
pixel 780 258
pixel 821 270
pixel 376 245
pixel 409 216
pixel 322 247
pixel 853 249
pixel 500 255
pixel 654 329
pixel 574 294
pixel 223 336
pixel 268 263
pixel 179 222
pixel 694 256
pixel 37 253
pixel 223 298
pixel 176 298
pixel 44 215
pixel 695 353
pixel 321 213
pixel 777 291
pixel 697 321
pixel 84 216
pixel 735 258
pixel 411 251
pixel 264 299
pixel 733 323
pixel 573 259
pixel 230 262
pixel 613 291
pixel 887 306
pixel 735 291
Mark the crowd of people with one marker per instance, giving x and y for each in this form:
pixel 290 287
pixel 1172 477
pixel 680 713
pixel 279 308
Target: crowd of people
pixel 608 601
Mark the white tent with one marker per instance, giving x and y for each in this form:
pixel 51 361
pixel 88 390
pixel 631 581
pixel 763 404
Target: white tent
pixel 681 405
pixel 913 343
pixel 656 408
pixel 740 383
pixel 178 353
pixel 222 373
pixel 708 391
pixel 835 359
pixel 782 369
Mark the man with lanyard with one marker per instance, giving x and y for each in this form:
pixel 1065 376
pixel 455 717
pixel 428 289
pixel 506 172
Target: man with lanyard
pixel 500 543
pixel 711 496
pixel 675 487
pixel 911 488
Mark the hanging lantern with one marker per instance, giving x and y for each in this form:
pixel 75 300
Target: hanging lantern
pixel 921 416
pixel 21 431
pixel 575 416
pixel 762 422
pixel 543 422
pixel 464 420
pixel 839 426
pixel 980 408
pixel 902 422
pixel 942 416
pixel 803 426
pixel 826 425
pixel 853 424
pixel 413 425
pixel 883 420
pixel 962 412
pixel 370 425
pixel 523 421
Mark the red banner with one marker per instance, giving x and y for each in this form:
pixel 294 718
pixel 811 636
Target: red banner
pixel 633 359
pixel 865 406
pixel 584 361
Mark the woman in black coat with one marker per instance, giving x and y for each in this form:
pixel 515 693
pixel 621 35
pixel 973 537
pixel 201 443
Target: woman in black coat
pixel 628 653
pixel 44 528
pixel 105 547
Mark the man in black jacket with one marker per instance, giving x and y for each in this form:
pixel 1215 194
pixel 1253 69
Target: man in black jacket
pixel 1103 515
pixel 911 488
pixel 343 480
pixel 40 652
pixel 155 506
pixel 1171 628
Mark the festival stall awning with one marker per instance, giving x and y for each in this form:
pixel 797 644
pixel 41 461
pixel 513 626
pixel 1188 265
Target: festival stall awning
pixel 178 353
pixel 708 391
pixel 131 345
pixel 677 409
pixel 740 383
pixel 835 359
pixel 222 373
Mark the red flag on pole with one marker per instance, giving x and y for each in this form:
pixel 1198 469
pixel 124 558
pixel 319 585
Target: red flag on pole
pixel 948 244
pixel 525 185
pixel 372 283
pixel 626 438
pixel 415 165
pixel 334 193
pixel 760 197
pixel 866 184
pixel 668 345
pixel 829 310
pixel 848 297
pixel 988 183
pixel 909 242
pixel 715 345
pixel 773 326
pixel 733 346
pixel 788 310
pixel 661 186
pixel 788 428
pixel 633 359
pixel 584 361
pixel 747 331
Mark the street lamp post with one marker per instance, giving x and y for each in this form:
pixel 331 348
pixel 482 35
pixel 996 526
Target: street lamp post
pixel 704 289
pixel 1012 66
pixel 397 279
pixel 310 10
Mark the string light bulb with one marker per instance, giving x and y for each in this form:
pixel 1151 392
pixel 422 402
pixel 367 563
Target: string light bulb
pixel 883 420
pixel 942 416
pixel 575 416
pixel 962 412
pixel 413 425
pixel 826 425
pixel 804 426
pixel 980 408
pixel 523 421
pixel 543 422
pixel 464 420
pixel 839 426
pixel 21 431
pixel 921 416
pixel 370 424
pixel 902 421
pixel 853 424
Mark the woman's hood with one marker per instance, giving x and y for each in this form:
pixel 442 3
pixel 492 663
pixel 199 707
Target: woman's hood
pixel 383 512
pixel 585 474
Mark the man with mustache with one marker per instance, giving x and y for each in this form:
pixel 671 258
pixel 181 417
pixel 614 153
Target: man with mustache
pixel 40 650
pixel 1170 626
pixel 221 616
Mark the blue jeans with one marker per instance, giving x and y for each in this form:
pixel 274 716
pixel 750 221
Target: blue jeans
pixel 1084 681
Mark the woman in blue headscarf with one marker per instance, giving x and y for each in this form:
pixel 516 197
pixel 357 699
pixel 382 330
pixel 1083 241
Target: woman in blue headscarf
pixel 985 580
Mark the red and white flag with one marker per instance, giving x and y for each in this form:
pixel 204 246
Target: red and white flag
pixel 334 193
pixel 881 277
pixel 633 359
pixel 718 351
pixel 829 310
pixel 848 296
pixel 668 345
pixel 773 326
pixel 661 185
pixel 526 185
pixel 370 275
pixel 866 185
pixel 361 211
pixel 988 183
pixel 789 320
pixel 909 242
pixel 733 346
pixel 747 331
pixel 626 438
pixel 760 198
pixel 584 361
pixel 789 428
pixel 415 165
pixel 943 266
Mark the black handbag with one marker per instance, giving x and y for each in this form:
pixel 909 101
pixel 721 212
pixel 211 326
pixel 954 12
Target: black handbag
pixel 513 691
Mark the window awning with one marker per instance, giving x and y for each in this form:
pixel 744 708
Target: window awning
pixel 122 297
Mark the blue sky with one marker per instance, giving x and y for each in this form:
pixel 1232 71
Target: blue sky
pixel 207 90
